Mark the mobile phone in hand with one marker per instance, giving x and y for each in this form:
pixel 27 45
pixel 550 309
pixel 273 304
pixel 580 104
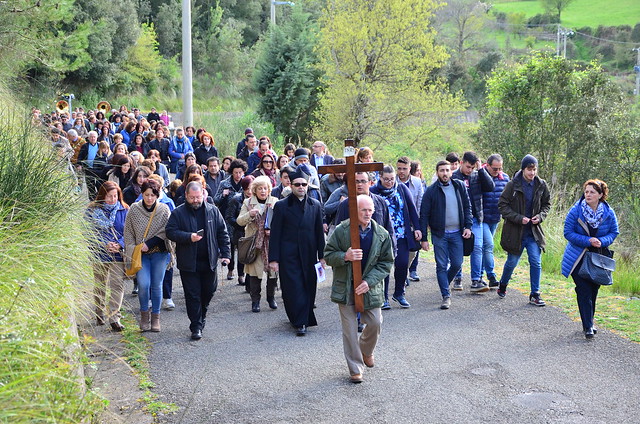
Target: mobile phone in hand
pixel 200 232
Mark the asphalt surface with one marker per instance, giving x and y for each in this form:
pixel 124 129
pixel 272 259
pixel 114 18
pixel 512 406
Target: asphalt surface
pixel 484 360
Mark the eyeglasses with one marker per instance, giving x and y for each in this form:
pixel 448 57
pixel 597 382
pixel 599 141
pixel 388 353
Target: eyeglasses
pixel 267 161
pixel 300 184
pixel 389 180
pixel 496 169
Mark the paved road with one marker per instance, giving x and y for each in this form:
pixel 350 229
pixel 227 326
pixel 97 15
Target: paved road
pixel 484 360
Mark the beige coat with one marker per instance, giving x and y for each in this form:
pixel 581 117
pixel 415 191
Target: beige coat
pixel 256 269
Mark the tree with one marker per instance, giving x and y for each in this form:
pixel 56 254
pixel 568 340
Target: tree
pixel 467 18
pixel 379 58
pixel 286 78
pixel 556 6
pixel 551 108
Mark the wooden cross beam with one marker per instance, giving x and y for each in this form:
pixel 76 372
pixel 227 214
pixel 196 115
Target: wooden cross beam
pixel 350 170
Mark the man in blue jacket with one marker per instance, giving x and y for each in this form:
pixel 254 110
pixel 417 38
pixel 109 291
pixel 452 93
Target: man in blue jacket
pixel 200 234
pixel 492 217
pixel 446 210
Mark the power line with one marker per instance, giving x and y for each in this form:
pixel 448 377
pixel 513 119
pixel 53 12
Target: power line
pixel 607 40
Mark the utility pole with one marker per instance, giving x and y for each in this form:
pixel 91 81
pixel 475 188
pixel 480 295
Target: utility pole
pixel 637 69
pixel 564 33
pixel 273 9
pixel 187 81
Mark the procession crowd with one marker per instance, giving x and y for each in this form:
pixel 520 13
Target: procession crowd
pixel 159 201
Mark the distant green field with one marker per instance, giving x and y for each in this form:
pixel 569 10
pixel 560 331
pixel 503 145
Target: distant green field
pixel 581 13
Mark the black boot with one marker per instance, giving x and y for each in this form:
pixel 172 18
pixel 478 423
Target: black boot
pixel 272 302
pixel 135 287
pixel 272 283
pixel 255 306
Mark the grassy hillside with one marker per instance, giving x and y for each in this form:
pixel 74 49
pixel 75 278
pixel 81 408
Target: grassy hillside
pixel 581 13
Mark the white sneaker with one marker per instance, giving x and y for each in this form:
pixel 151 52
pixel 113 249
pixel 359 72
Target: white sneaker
pixel 168 304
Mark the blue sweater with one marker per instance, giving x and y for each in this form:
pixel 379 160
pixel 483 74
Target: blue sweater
pixel 579 239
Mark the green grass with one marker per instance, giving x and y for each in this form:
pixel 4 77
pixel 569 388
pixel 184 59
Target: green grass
pixel 137 349
pixel 581 13
pixel 43 256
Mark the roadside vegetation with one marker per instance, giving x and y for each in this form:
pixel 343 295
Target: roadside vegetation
pixel 44 262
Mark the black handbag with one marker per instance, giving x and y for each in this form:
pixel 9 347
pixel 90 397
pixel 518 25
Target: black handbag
pixel 597 268
pixel 247 252
pixel 467 245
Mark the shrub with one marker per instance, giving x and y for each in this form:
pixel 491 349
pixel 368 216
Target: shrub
pixel 44 255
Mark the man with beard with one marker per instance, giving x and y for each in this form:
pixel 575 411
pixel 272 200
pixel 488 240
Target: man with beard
pixel 446 211
pixel 296 245
pixel 200 234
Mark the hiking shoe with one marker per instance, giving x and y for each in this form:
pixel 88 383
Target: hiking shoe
pixel 502 291
pixel 446 302
pixel 402 301
pixel 478 286
pixel 457 284
pixel 168 304
pixel 493 283
pixel 413 276
pixel 535 299
pixel 386 305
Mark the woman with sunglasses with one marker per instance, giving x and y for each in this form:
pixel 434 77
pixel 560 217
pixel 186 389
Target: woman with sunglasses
pixel 266 167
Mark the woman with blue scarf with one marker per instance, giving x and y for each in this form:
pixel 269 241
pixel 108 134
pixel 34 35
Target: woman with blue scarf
pixel 404 217
pixel 107 216
pixel 600 219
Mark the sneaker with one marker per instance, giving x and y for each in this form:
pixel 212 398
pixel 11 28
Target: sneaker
pixel 360 327
pixel 446 302
pixel 168 304
pixel 407 283
pixel 386 305
pixel 402 301
pixel 493 283
pixel 502 291
pixel 478 286
pixel 535 299
pixel 413 276
pixel 457 284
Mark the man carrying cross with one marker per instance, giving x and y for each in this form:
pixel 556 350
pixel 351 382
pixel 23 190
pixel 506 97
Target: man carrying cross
pixel 375 256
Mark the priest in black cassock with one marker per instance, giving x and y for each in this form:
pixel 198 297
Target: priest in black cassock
pixel 295 246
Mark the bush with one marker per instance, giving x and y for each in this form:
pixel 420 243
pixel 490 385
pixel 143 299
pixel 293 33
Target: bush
pixel 44 255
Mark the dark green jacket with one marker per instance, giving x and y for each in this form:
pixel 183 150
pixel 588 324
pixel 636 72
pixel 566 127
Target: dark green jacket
pixel 512 208
pixel 378 265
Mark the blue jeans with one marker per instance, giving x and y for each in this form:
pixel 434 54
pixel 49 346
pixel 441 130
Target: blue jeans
pixel 448 253
pixel 476 255
pixel 489 230
pixel 150 281
pixel 535 263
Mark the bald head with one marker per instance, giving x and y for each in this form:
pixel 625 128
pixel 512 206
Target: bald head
pixel 365 210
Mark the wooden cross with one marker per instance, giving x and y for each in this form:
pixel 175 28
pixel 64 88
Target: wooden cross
pixel 350 170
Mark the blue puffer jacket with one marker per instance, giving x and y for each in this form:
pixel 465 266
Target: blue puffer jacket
pixel 490 200
pixel 579 239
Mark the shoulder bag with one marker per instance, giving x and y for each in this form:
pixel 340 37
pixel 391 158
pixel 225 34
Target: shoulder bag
pixel 136 256
pixel 595 266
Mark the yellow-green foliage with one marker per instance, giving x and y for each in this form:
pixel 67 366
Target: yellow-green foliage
pixel 43 257
pixel 379 58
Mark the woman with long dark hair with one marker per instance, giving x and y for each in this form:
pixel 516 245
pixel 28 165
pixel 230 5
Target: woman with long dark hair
pixel 121 170
pixel 145 224
pixel 133 190
pixel 107 215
